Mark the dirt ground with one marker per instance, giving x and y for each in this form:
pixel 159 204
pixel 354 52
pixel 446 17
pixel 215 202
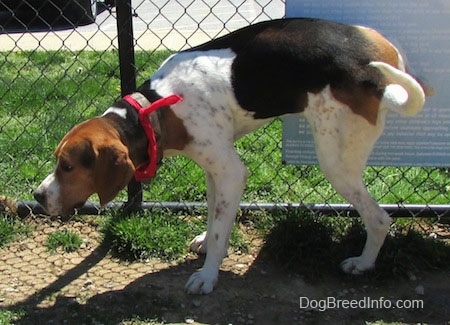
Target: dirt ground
pixel 91 287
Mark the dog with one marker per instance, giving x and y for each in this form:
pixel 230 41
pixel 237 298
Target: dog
pixel 342 78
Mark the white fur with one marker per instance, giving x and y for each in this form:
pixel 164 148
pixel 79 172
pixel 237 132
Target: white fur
pixel 204 81
pixel 213 118
pixel 122 112
pixel 50 188
pixel 407 101
pixel 395 94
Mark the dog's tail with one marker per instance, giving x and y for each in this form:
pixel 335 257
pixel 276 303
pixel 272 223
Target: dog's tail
pixel 403 93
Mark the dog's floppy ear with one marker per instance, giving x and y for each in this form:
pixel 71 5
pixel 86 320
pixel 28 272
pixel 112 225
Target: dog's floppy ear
pixel 113 171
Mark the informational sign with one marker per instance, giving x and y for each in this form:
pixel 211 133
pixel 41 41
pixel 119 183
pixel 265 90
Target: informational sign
pixel 421 30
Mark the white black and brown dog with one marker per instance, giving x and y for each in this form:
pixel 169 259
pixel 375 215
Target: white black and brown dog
pixel 342 78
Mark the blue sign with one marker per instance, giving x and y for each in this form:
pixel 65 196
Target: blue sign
pixel 421 30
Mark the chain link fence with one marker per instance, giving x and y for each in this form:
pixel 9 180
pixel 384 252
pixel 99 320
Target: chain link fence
pixel 60 65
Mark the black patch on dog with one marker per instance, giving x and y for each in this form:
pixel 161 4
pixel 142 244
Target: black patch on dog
pixel 278 62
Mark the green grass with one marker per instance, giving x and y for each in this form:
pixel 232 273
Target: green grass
pixel 157 235
pixel 148 235
pixel 64 239
pixel 297 240
pixel 11 228
pixel 42 95
pixel 8 317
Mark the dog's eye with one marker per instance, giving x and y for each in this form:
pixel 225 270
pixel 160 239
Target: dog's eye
pixel 65 166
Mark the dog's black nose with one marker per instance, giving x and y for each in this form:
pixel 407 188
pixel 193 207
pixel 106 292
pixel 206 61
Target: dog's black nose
pixel 40 197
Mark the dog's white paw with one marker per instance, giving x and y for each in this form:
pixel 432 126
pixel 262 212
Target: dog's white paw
pixel 356 265
pixel 198 244
pixel 201 282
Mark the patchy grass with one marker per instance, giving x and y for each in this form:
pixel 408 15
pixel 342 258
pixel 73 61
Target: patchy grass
pixel 148 234
pixel 8 317
pixel 315 245
pixel 10 228
pixel 64 239
pixel 296 240
pixel 406 251
pixel 158 235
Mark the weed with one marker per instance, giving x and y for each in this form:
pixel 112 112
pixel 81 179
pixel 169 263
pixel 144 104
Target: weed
pixel 158 235
pixel 297 239
pixel 7 230
pixel 8 317
pixel 237 240
pixel 410 252
pixel 149 234
pixel 65 239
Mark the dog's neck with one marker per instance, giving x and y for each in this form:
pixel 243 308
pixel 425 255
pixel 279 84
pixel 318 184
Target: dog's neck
pixel 170 132
pixel 132 134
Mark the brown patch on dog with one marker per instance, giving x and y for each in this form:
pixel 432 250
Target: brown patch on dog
pixel 113 170
pixel 383 49
pixel 175 134
pixel 361 102
pixel 91 159
pixel 364 98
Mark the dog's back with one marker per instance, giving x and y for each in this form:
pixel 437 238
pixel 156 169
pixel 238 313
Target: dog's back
pixel 275 64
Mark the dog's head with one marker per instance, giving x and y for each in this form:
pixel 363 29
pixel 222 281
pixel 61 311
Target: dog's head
pixel 89 159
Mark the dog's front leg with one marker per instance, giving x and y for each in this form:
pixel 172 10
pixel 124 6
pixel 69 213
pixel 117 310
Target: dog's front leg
pixel 198 244
pixel 228 178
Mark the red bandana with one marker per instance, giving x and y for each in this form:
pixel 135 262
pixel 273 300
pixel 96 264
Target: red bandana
pixel 149 170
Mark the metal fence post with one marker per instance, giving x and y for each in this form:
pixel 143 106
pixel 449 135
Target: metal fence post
pixel 127 80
